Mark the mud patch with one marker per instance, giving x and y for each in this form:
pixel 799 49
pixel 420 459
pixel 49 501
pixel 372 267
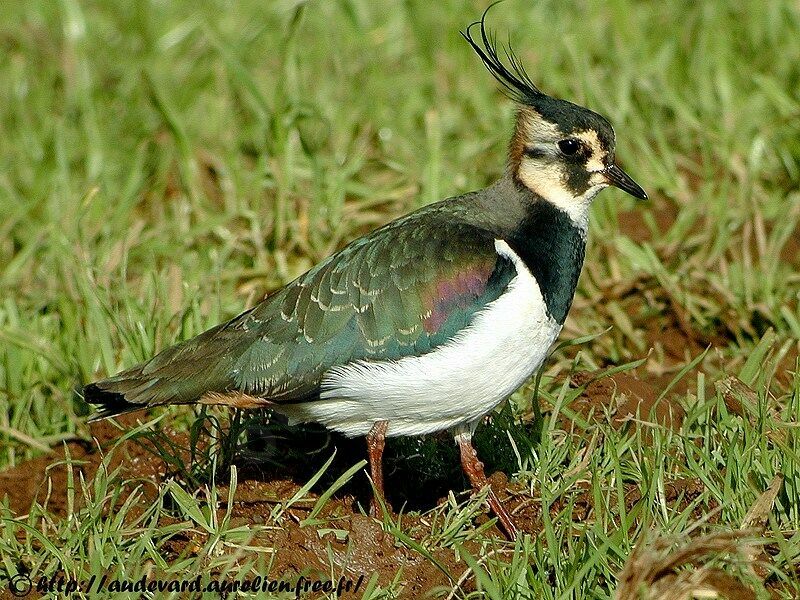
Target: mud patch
pixel 45 479
pixel 365 549
pixel 626 398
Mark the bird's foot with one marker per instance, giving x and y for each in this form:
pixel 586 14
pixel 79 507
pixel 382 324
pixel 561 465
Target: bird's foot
pixel 474 470
pixel 503 515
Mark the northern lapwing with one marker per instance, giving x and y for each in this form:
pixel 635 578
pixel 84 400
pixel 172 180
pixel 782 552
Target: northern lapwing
pixel 425 324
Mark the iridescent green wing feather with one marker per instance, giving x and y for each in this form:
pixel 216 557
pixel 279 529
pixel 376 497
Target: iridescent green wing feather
pixel 402 290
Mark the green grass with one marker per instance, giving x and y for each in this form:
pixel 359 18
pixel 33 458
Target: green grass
pixel 163 164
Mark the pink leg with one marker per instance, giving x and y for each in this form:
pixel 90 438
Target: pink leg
pixel 474 470
pixel 376 441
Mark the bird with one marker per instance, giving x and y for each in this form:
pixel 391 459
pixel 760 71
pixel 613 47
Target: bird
pixel 427 323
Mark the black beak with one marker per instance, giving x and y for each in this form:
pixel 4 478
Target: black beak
pixel 619 178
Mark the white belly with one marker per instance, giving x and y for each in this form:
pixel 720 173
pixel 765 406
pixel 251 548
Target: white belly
pixel 455 384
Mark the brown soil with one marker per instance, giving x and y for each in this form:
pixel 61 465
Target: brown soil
pixel 627 399
pixel 790 253
pixel 44 479
pixel 634 226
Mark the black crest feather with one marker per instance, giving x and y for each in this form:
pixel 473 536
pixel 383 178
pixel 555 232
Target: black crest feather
pixel 514 79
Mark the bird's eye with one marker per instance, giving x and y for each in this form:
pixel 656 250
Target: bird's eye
pixel 569 146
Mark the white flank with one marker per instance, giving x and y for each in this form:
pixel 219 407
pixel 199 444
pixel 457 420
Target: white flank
pixel 455 384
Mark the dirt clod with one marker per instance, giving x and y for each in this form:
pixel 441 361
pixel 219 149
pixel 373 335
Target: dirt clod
pixel 627 398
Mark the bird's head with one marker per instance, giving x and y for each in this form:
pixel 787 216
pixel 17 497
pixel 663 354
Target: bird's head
pixel 561 151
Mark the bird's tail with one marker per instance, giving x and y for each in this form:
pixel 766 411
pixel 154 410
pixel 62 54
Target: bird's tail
pixel 197 370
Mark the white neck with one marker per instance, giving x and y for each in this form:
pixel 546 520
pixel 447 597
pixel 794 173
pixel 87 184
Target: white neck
pixel 576 207
pixel 548 183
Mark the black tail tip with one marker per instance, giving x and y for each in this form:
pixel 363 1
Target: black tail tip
pixel 110 404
